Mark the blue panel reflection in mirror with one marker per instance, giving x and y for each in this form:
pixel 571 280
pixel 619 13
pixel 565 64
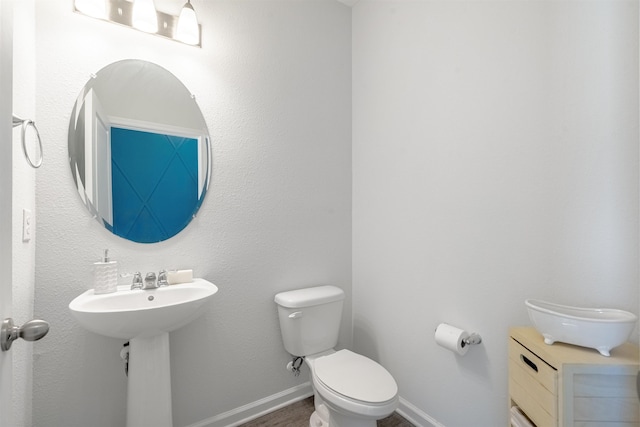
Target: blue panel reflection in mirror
pixel 146 167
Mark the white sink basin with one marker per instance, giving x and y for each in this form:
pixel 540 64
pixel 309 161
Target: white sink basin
pixel 129 314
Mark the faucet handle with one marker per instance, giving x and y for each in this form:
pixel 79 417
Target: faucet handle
pixel 136 283
pixel 150 281
pixel 162 278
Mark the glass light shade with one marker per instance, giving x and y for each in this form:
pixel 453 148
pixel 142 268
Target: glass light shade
pixel 144 16
pixel 188 30
pixel 93 8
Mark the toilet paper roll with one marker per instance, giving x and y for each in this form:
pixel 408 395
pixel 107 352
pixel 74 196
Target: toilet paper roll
pixel 452 338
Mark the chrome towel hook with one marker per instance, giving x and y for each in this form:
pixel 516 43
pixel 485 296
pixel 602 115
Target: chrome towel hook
pixel 17 121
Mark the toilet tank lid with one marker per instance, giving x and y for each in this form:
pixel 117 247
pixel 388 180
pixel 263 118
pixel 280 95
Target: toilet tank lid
pixel 309 296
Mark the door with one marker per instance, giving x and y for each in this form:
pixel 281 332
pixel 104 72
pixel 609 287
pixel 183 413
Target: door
pixel 6 82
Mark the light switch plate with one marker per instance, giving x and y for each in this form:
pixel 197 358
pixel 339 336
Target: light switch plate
pixel 27 225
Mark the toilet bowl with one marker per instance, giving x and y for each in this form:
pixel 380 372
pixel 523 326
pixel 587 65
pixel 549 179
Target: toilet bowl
pixel 350 390
pixel 355 390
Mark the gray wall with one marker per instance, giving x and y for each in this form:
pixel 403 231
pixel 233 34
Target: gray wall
pixel 495 158
pixel 273 80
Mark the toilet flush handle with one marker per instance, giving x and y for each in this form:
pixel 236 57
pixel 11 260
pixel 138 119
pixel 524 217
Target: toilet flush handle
pixel 295 315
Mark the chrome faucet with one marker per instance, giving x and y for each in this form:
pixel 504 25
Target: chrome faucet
pixel 162 278
pixel 136 283
pixel 150 281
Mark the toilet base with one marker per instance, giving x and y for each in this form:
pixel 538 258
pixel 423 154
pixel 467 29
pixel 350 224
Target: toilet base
pixel 320 417
pixel 316 421
pixel 324 417
pixel 337 419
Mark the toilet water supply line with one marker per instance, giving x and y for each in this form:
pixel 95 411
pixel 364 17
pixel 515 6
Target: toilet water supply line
pixel 295 365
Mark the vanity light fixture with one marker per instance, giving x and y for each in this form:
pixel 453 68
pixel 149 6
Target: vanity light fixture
pixel 188 30
pixel 143 16
pixel 93 8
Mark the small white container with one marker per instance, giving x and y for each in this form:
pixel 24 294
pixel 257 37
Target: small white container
pixel 105 275
pixel 175 277
pixel 599 328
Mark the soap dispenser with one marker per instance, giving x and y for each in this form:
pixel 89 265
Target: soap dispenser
pixel 105 275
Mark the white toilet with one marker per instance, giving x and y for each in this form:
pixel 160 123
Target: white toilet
pixel 350 390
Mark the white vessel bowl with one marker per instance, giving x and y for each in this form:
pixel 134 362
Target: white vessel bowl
pixel 598 328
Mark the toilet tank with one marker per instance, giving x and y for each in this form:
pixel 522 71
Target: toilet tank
pixel 310 319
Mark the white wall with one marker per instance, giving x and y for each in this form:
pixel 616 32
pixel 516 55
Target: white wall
pixel 273 80
pixel 24 197
pixel 6 182
pixel 495 158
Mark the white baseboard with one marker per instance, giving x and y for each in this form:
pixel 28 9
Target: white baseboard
pixel 261 407
pixel 415 416
pixel 256 409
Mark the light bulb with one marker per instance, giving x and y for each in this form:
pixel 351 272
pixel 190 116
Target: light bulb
pixel 93 8
pixel 188 30
pixel 144 16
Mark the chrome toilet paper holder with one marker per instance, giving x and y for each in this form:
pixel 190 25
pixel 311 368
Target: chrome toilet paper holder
pixel 472 339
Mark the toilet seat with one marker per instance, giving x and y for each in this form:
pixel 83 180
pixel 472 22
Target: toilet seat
pixel 356 378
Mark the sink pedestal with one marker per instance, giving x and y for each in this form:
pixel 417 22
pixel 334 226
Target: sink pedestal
pixel 145 318
pixel 149 386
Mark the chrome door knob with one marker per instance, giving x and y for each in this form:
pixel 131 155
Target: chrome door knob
pixel 33 330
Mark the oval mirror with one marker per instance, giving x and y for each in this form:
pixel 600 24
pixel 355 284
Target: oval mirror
pixel 139 151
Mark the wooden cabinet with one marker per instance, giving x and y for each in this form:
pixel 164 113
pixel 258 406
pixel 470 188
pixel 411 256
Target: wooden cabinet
pixel 562 385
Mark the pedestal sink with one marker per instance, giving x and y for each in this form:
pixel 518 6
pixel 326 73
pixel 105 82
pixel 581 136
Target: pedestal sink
pixel 145 318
